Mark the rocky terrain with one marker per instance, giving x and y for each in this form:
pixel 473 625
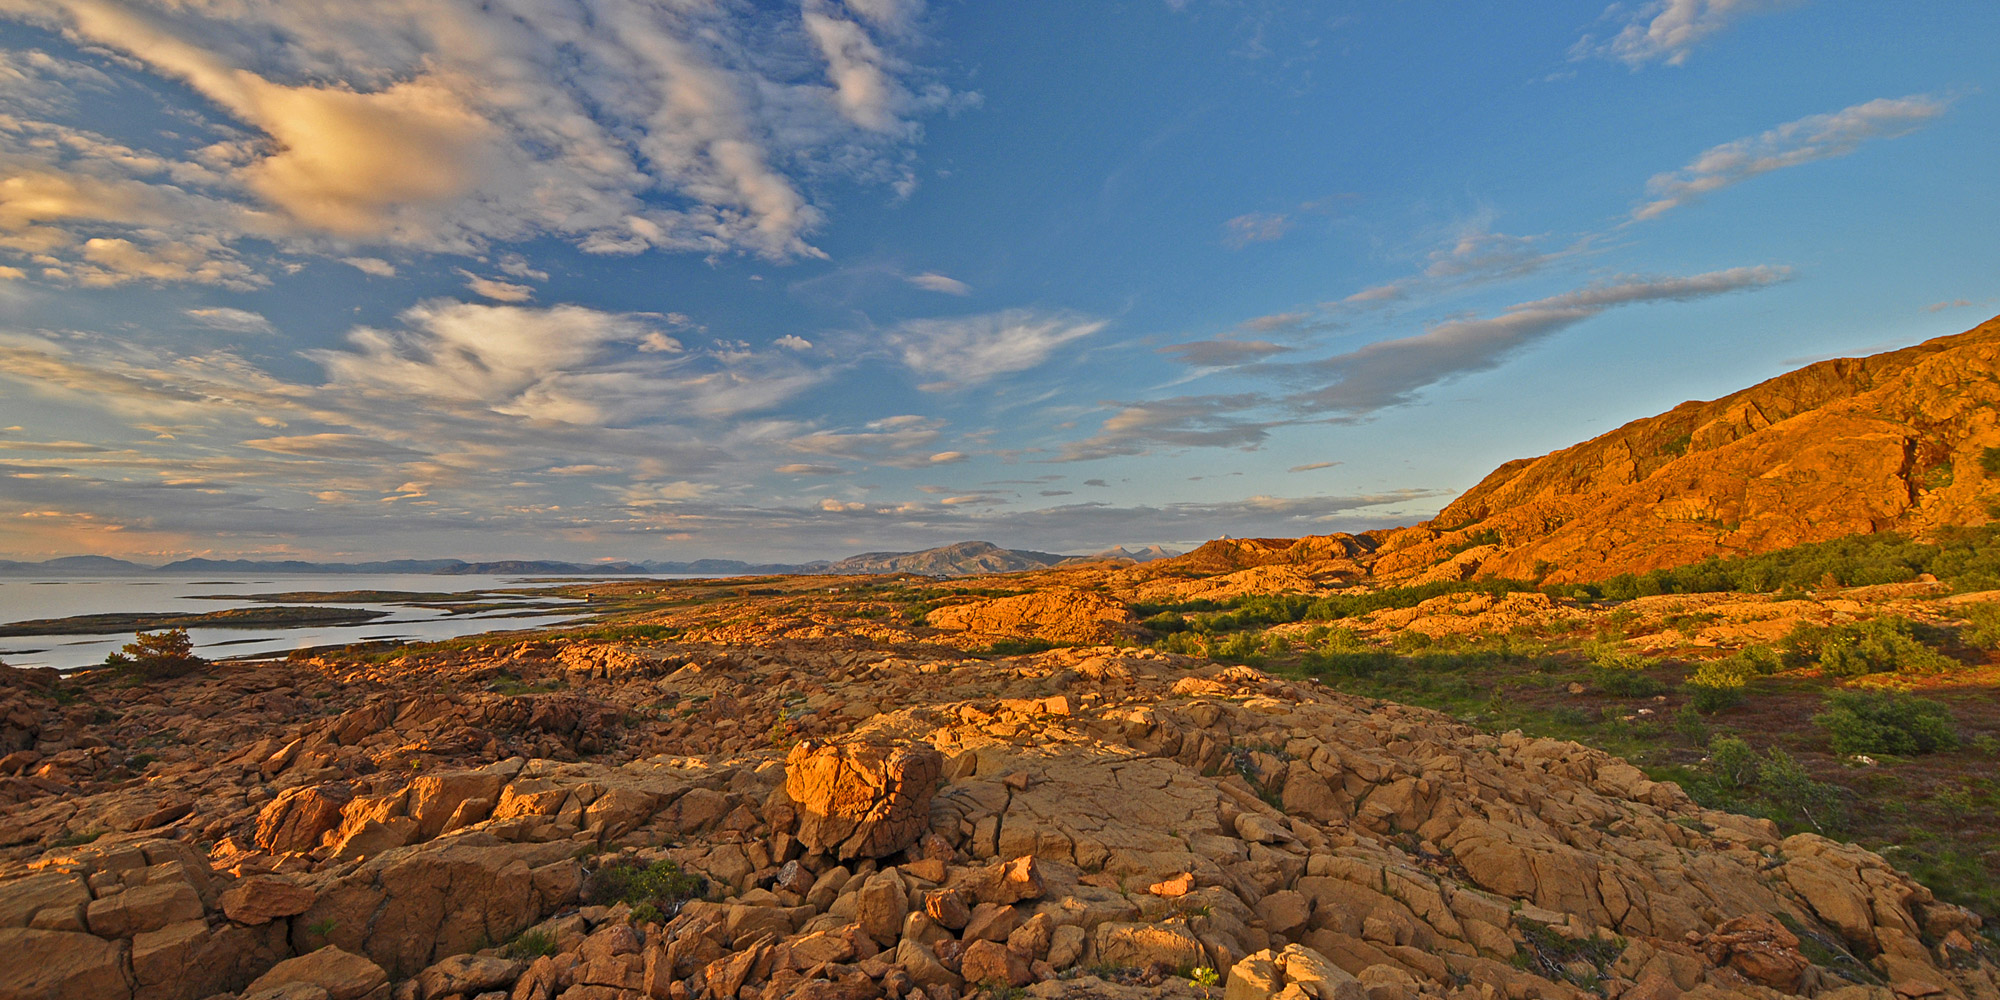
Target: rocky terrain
pixel 782 793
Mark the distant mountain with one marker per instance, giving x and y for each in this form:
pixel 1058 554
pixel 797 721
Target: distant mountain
pixel 733 567
pixel 961 559
pixel 1148 554
pixel 537 567
pixel 1901 441
pixel 203 566
pixel 71 565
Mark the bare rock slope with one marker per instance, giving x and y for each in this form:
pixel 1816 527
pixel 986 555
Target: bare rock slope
pixel 1893 441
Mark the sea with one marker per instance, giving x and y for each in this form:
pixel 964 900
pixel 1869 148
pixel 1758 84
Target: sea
pixel 504 603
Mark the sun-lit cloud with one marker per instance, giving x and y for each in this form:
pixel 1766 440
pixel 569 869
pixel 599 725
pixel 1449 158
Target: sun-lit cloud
pixel 932 281
pixel 971 349
pixel 372 266
pixel 1815 137
pixel 1948 304
pixel 1312 466
pixel 497 290
pixel 617 125
pixel 1667 30
pixel 231 320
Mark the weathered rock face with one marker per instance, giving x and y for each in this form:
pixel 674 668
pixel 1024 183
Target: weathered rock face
pixel 860 799
pixel 1842 447
pixel 1057 614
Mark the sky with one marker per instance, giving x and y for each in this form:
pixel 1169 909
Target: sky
pixel 675 279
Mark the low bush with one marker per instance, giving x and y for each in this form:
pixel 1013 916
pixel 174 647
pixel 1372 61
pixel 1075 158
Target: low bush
pixel 1877 645
pixel 157 656
pixel 1867 722
pixel 661 884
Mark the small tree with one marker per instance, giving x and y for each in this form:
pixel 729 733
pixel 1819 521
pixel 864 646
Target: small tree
pixel 156 655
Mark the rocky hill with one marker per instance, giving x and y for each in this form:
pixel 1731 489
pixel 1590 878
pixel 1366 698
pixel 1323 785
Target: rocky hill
pixel 1895 441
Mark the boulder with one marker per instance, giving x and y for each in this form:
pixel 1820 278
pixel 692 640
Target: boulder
pixel 1293 971
pixel 468 975
pixel 143 908
pixel 261 900
pixel 991 963
pixel 342 975
pixel 300 818
pixel 62 965
pixel 861 799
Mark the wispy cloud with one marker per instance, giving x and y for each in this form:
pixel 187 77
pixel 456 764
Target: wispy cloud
pixel 1391 372
pixel 1213 421
pixel 1667 30
pixel 931 281
pixel 371 266
pixel 1951 304
pixel 972 349
pixel 1221 353
pixel 1254 227
pixel 1815 137
pixel 225 318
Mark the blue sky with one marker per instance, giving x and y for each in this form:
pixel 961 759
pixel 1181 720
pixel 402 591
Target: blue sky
pixel 666 279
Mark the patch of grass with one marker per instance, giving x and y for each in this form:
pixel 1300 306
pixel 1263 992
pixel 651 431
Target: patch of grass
pixel 1549 953
pixel 622 633
pixel 662 884
pixel 531 944
pixel 1019 647
pixel 76 839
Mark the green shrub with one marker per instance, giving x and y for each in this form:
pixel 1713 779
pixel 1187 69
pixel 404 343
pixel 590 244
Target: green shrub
pixel 157 656
pixel 1718 684
pixel 1787 784
pixel 1733 761
pixel 1627 683
pixel 1982 625
pixel 1966 558
pixel 1862 722
pixel 662 884
pixel 1877 645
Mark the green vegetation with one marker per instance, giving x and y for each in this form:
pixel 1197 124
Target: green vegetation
pixel 531 943
pixel 77 839
pixel 1019 647
pixel 1866 722
pixel 1206 617
pixel 1965 558
pixel 1874 646
pixel 661 884
pixel 621 633
pixel 157 656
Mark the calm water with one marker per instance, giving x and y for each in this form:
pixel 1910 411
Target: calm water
pixel 24 598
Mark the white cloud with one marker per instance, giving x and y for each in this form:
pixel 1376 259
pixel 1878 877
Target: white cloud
pixel 372 266
pixel 498 291
pixel 1815 137
pixel 973 349
pixel 1667 30
pixel 793 342
pixel 1213 421
pixel 1255 227
pixel 231 320
pixel 947 457
pixel 935 282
